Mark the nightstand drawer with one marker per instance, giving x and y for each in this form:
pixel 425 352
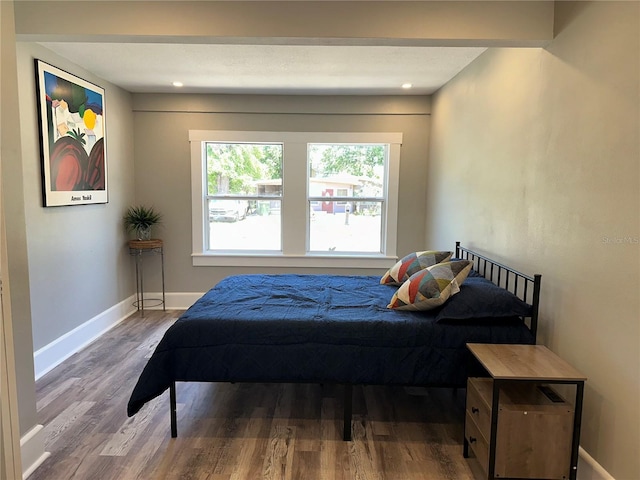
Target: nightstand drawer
pixel 479 394
pixel 477 442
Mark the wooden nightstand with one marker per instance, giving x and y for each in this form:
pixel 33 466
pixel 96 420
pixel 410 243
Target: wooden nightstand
pixel 516 424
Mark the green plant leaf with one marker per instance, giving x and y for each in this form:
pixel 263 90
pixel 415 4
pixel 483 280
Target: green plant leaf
pixel 140 217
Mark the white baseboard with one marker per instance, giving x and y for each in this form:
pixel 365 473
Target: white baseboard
pixel 51 355
pixel 175 301
pixel 32 450
pixel 182 301
pixel 589 469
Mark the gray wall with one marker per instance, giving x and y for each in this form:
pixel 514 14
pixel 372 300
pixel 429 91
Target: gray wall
pixel 15 228
pixel 534 156
pixel 78 261
pixel 162 124
pixel 66 264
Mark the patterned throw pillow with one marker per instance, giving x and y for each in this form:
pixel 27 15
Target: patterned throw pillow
pixel 413 263
pixel 431 287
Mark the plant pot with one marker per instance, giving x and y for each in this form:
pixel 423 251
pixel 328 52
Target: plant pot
pixel 144 233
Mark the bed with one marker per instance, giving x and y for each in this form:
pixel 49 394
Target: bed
pixel 337 329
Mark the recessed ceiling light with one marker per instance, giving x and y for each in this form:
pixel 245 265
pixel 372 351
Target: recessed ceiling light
pixel 406 86
pixel 177 84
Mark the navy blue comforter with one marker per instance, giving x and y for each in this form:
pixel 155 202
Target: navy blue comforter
pixel 314 328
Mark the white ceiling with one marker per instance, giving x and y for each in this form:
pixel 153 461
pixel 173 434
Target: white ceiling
pixel 270 69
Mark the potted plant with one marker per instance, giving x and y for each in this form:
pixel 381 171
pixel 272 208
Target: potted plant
pixel 140 219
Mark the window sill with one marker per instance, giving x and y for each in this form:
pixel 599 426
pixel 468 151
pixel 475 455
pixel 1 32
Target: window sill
pixel 306 261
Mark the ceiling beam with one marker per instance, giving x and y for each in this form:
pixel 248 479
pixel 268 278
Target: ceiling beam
pixel 402 23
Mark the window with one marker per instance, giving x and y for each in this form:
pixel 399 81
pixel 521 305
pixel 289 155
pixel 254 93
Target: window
pixel 346 197
pixel 244 196
pixel 294 199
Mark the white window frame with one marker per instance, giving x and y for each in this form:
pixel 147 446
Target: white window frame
pixel 294 201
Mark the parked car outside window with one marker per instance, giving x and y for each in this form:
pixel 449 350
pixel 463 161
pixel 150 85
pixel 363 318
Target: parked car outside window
pixel 228 210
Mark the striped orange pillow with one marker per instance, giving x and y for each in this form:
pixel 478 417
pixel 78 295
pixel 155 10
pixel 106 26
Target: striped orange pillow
pixel 413 263
pixel 431 287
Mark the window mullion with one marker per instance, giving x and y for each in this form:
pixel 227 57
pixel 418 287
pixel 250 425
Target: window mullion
pixel 294 198
pixel 345 199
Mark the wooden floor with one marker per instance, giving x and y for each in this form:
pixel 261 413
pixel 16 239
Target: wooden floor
pixel 236 431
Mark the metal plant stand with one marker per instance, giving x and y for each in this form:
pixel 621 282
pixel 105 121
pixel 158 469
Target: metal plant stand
pixel 138 249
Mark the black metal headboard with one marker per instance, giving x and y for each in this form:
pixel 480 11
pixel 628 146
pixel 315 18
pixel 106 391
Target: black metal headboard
pixel 525 287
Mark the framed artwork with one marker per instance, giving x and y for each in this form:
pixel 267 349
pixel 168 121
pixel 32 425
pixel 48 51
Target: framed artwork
pixel 72 138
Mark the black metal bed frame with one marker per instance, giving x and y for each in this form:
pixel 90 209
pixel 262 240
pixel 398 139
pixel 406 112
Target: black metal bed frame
pixel 523 286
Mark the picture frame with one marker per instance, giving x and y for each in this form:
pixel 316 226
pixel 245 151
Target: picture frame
pixel 71 113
